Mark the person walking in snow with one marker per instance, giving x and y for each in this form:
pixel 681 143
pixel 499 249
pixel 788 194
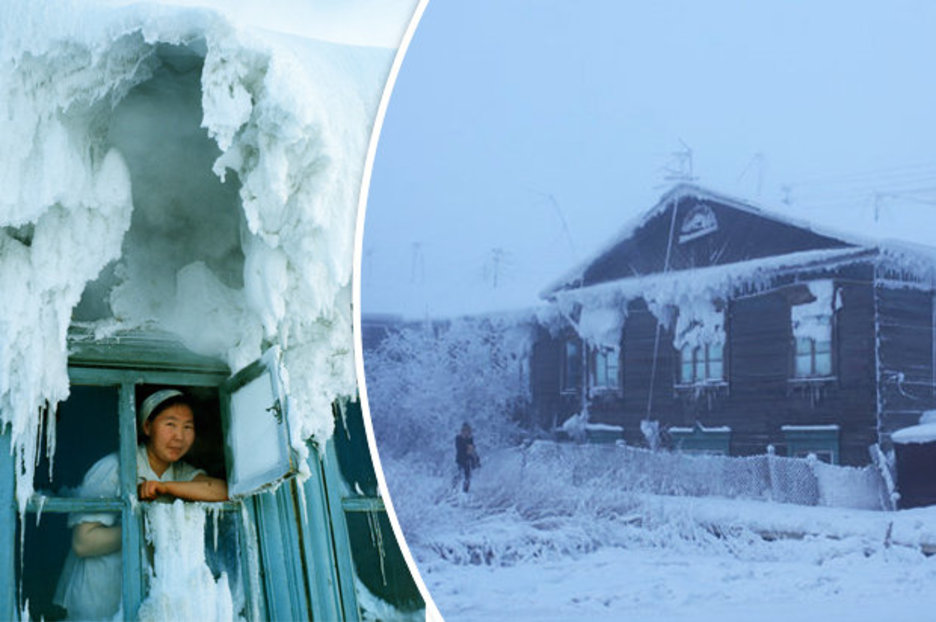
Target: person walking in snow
pixel 466 457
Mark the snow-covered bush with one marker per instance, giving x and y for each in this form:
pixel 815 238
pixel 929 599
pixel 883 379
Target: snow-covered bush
pixel 424 381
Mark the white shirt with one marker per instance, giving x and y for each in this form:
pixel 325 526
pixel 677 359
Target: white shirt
pixel 90 587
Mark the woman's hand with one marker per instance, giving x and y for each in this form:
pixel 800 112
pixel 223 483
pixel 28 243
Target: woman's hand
pixel 148 490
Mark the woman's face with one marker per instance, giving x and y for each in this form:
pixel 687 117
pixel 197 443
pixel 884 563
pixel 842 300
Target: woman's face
pixel 171 433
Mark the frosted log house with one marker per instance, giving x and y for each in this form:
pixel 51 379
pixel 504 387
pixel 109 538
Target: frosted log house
pixel 177 200
pixel 710 325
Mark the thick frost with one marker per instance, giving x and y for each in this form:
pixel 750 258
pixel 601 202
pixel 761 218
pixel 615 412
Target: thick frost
pixel 182 586
pixel 238 153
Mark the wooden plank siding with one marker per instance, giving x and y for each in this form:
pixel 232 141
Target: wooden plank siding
pixel 905 355
pixel 760 395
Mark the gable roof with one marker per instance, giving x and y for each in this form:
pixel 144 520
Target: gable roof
pixel 646 245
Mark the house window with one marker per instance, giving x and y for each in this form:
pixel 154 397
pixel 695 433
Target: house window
pixel 812 357
pixel 702 363
pixel 700 343
pixel 811 323
pixel 571 365
pixel 606 368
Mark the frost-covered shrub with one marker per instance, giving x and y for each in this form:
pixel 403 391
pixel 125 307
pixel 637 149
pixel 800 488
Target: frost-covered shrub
pixel 424 381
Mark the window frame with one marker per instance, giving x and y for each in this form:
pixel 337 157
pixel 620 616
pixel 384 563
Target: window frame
pixel 607 354
pixel 700 359
pixel 300 564
pixel 799 342
pixel 570 380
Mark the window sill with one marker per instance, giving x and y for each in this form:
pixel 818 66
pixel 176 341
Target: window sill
pixel 807 380
pixel 704 384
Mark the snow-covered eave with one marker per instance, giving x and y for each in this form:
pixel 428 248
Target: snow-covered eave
pixel 721 276
pixel 680 191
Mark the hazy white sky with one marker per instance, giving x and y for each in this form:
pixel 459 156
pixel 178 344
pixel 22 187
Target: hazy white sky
pixel 522 135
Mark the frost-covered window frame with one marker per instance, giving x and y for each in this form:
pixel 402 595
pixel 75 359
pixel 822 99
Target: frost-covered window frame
pixel 700 340
pixel 133 545
pixel 812 326
pixel 702 364
pixel 605 373
pixel 304 572
pixel 570 378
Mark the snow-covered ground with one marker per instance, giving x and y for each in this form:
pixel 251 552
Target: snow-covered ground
pixel 538 542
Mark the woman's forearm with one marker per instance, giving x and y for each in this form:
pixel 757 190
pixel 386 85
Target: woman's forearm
pixel 94 539
pixel 202 488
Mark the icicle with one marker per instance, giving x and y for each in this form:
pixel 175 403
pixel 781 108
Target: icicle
pixel 303 506
pixel 376 534
pixel 51 436
pixel 215 512
pixel 41 501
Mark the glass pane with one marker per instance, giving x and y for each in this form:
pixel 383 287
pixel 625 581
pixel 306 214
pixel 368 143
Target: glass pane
pixel 601 369
pixel 354 459
pixel 803 365
pixel 86 431
pixel 612 362
pixel 223 556
pixel 57 582
pixel 255 437
pixel 699 363
pixel 385 589
pixel 573 365
pixel 715 370
pixel 823 363
pixel 685 375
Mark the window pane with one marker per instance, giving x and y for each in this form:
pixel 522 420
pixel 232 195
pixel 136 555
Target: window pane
pixel 803 365
pixel 573 365
pixel 612 362
pixel 685 371
pixel 715 369
pixel 385 589
pixel 223 555
pixel 354 459
pixel 823 358
pixel 57 582
pixel 716 354
pixel 256 437
pixel 86 431
pixel 698 358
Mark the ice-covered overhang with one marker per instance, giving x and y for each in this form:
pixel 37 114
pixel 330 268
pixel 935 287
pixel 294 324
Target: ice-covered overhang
pixel 201 174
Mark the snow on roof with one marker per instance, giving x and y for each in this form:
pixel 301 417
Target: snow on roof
pixel 924 433
pixel 722 280
pixel 685 190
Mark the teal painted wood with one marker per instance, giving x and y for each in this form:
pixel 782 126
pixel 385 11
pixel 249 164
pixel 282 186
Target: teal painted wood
pixel 42 504
pixel 250 561
pixel 343 552
pixel 136 350
pixel 103 376
pixel 284 600
pixel 363 504
pixel 236 426
pixel 132 522
pixel 8 608
pixel 318 545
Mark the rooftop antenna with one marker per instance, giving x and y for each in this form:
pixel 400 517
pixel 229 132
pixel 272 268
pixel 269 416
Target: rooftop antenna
pixel 679 169
pixel 562 221
pixel 759 161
